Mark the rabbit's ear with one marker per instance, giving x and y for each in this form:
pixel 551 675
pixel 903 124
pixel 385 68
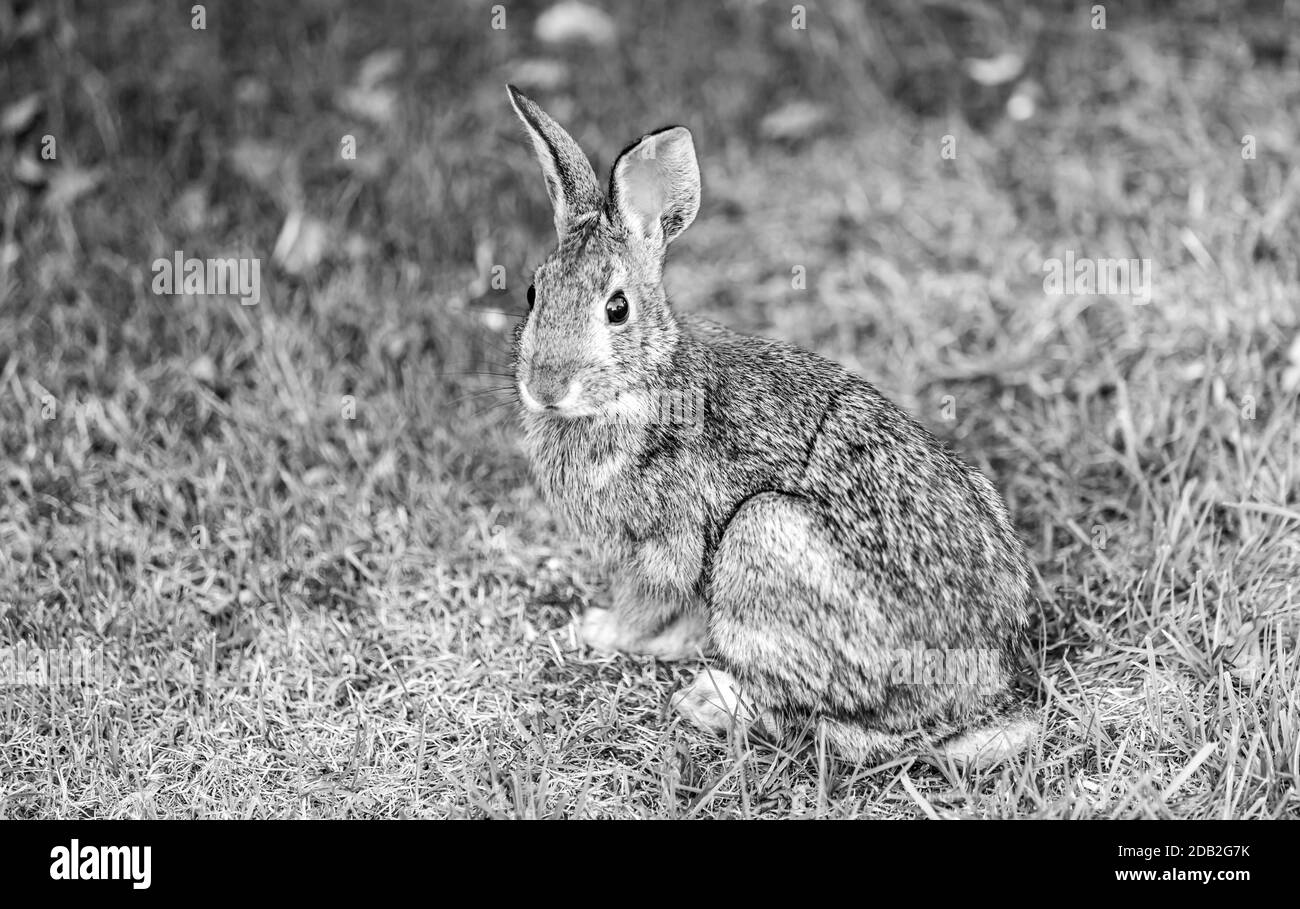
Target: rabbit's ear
pixel 655 186
pixel 570 181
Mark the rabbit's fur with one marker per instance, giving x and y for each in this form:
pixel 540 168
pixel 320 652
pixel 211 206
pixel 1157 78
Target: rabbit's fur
pixel 760 505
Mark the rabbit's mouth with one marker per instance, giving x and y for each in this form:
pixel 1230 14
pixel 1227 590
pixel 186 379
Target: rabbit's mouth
pixel 559 399
pixel 569 401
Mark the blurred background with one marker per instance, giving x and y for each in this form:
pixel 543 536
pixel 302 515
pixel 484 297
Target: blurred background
pixel 334 471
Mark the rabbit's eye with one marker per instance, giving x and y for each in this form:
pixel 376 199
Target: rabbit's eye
pixel 532 296
pixel 616 308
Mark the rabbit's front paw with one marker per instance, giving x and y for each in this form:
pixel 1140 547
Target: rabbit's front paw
pixel 602 632
pixel 683 639
pixel 713 702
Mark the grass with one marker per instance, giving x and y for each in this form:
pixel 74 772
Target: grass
pixel 309 615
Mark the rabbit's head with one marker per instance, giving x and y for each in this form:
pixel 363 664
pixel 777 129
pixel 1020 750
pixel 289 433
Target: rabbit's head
pixel 599 336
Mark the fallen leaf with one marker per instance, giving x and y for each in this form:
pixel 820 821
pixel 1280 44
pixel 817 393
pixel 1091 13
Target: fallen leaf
pixel 1291 374
pixel 27 170
pixel 996 70
pixel 541 74
pixel 1024 100
pixel 68 184
pixel 252 91
pixel 190 208
pixel 204 370
pixel 378 105
pixel 301 244
pixel 1245 655
pixel 264 165
pixel 379 66
pixel 18 116
pixel 571 21
pixel 796 120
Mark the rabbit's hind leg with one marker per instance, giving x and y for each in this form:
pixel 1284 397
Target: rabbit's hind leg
pixel 789 619
pixel 802 635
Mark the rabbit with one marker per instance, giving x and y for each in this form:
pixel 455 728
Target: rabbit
pixel 839 568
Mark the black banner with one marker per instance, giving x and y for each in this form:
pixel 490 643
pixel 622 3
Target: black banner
pixel 337 859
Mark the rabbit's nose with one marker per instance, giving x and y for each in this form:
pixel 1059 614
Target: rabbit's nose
pixel 550 387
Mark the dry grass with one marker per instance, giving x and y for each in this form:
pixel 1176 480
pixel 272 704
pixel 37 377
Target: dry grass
pixel 377 617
